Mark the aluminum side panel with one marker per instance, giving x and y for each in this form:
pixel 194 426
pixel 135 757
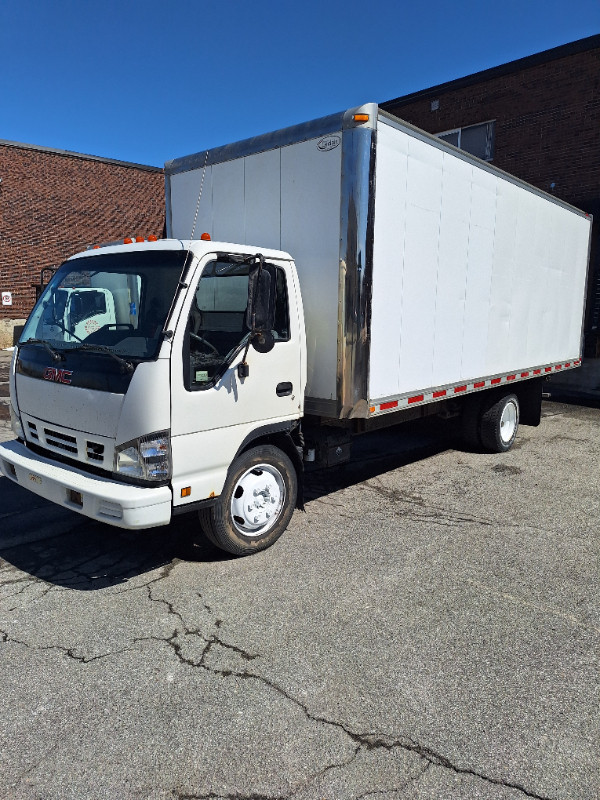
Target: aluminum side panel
pixel 262 194
pixel 228 203
pixel 183 190
pixel 310 229
pixel 473 273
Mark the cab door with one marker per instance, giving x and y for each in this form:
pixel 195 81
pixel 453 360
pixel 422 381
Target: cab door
pixel 215 405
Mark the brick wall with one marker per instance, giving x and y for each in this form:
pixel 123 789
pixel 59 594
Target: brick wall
pixel 53 204
pixel 547 122
pixel 547 113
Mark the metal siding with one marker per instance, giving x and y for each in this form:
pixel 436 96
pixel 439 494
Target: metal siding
pixel 482 199
pixel 474 274
pixel 388 255
pixel 310 230
pixel 262 189
pixel 184 189
pixel 228 202
pixel 455 222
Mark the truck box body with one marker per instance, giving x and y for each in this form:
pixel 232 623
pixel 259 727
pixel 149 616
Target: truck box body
pixel 424 271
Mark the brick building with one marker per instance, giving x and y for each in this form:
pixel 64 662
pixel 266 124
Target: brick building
pixel 537 118
pixel 54 203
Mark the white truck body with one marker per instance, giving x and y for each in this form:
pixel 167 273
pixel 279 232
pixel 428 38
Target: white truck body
pixel 421 267
pixel 400 277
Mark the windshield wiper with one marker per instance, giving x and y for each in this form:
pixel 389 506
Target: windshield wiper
pixel 127 366
pixel 56 356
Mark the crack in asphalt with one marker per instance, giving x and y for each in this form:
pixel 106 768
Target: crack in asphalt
pixel 397 789
pixel 368 741
pixel 70 652
pixel 36 764
pixel 256 796
pixel 234 796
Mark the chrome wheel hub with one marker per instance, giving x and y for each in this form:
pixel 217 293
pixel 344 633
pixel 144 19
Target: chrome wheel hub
pixel 257 500
pixel 508 422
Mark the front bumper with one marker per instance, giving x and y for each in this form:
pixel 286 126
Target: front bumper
pixel 102 499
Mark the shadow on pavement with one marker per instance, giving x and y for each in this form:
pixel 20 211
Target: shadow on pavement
pixel 382 451
pixel 63 548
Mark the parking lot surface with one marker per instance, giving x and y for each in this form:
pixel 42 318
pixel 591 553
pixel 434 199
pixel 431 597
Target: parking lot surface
pixel 428 628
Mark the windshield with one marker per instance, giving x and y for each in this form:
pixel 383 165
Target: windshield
pixel 115 301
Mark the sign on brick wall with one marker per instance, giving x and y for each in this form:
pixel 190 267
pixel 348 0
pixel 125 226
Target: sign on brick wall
pixel 7 298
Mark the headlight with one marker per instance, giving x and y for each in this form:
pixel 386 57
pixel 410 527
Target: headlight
pixel 146 458
pixel 15 423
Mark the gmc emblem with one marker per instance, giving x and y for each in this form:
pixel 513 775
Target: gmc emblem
pixel 58 375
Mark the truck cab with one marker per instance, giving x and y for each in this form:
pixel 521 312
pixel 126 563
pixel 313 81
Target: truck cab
pixel 146 372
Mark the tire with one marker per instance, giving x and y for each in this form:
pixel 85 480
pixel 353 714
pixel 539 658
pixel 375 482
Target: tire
pixel 471 423
pixel 256 504
pixel 499 424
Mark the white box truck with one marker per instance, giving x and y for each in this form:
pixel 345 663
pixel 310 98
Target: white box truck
pixel 316 283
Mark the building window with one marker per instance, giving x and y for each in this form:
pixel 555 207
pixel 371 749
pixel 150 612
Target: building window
pixel 475 139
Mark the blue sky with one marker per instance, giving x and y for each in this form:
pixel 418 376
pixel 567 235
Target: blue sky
pixel 149 81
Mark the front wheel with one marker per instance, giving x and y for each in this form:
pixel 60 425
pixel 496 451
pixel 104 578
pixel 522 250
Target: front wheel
pixel 256 504
pixel 499 424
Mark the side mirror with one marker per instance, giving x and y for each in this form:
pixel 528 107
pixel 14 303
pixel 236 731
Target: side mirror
pixel 260 314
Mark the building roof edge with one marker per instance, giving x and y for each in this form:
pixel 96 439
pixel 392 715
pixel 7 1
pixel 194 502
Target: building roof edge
pixel 572 48
pixel 72 154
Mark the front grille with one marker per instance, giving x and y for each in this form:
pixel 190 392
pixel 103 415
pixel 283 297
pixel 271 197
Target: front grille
pixel 61 441
pixel 33 431
pixel 94 451
pixel 69 461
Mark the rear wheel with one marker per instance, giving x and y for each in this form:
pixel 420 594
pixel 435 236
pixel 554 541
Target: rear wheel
pixel 499 424
pixel 256 504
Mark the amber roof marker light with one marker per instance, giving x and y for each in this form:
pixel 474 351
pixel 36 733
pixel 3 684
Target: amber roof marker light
pixel 361 118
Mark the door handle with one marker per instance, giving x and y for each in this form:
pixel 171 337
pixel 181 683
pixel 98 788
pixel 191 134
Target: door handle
pixel 284 389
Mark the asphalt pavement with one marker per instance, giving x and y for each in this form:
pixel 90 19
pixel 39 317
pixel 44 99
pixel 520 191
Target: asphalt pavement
pixel 428 628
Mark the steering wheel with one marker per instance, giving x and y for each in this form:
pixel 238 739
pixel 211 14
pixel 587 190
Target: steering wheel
pixel 202 340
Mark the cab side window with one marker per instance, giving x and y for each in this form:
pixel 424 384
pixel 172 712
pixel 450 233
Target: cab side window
pixel 217 328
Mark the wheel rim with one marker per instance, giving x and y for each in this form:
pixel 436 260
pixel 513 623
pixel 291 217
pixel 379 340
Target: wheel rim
pixel 257 500
pixel 508 422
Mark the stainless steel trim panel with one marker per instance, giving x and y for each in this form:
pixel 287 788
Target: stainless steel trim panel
pixel 332 123
pixel 257 144
pixel 356 270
